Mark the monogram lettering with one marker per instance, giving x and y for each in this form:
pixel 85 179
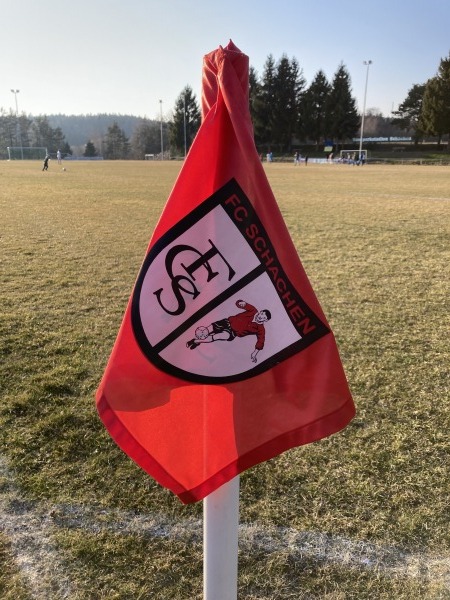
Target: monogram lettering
pixel 184 282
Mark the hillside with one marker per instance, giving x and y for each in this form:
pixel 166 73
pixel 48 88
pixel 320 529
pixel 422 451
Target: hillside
pixel 79 129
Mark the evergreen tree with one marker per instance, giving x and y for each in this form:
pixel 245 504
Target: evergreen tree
pixel 46 136
pixel 8 132
pixel 315 122
pixel 289 85
pixel 431 117
pixel 345 121
pixel 408 115
pixel 116 143
pixel 14 131
pixel 254 91
pixel 275 103
pixel 435 115
pixel 24 131
pixel 262 105
pixel 66 149
pixel 146 139
pixel 186 121
pixel 90 150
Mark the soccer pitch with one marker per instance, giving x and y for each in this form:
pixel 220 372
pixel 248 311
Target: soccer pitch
pixel 362 514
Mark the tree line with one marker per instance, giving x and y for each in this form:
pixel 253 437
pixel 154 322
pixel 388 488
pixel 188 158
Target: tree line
pixel 426 109
pixel 285 111
pixel 21 131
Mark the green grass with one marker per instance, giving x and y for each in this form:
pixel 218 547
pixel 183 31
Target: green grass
pixel 375 244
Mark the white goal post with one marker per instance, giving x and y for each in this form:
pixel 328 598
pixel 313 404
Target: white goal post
pixel 21 153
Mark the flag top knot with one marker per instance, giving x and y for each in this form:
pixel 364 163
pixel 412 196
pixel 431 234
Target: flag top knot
pixel 224 69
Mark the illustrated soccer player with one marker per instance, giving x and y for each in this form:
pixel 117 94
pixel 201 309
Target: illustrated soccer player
pixel 248 322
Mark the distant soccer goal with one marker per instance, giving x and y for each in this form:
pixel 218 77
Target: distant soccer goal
pixel 352 156
pixel 18 153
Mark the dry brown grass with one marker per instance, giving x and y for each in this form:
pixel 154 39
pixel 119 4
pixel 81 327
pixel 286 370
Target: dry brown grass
pixel 375 244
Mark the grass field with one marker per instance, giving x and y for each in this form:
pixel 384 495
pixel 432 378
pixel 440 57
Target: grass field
pixel 361 515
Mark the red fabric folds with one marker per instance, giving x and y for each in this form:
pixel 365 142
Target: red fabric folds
pixel 194 412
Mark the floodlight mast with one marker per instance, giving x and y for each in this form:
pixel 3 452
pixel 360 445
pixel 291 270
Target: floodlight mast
pixel 367 63
pixel 15 92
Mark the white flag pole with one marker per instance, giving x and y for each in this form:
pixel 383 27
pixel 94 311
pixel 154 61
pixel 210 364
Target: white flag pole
pixel 220 542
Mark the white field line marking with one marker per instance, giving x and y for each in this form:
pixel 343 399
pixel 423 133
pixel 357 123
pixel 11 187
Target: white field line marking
pixel 309 544
pixel 29 532
pixel 29 529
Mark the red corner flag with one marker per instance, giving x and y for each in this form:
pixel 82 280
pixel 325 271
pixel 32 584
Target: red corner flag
pixel 224 357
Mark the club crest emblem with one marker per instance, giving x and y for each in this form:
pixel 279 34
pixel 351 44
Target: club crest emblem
pixel 212 302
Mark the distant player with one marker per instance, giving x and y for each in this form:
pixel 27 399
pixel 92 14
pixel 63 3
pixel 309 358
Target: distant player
pixel 46 159
pixel 248 322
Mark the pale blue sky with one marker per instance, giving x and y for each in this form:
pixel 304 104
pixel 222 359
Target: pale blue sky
pixel 111 56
